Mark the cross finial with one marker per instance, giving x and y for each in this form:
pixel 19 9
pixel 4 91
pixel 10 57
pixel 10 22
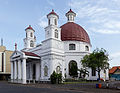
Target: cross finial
pixel 15 46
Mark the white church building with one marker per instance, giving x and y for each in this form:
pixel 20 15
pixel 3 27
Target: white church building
pixel 62 46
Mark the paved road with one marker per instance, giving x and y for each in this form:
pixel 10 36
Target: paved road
pixel 15 88
pixel 49 88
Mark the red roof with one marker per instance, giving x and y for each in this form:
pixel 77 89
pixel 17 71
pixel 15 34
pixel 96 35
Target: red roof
pixel 52 13
pixel 30 28
pixel 72 31
pixel 113 69
pixel 31 54
pixel 70 11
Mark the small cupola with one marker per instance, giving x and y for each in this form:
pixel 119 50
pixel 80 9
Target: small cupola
pixel 30 39
pixel 70 15
pixel 52 18
pixel 29 27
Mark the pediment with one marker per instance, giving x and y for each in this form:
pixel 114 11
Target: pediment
pixel 16 54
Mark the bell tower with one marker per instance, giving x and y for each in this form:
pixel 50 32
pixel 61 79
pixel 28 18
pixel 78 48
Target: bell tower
pixel 52 30
pixel 29 41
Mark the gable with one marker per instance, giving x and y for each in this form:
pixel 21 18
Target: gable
pixel 117 71
pixel 113 69
pixel 16 54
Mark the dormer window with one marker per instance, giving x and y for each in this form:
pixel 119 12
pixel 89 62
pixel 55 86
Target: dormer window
pixel 56 33
pixel 71 46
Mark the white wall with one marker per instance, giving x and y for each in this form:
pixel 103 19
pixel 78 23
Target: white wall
pixel 75 55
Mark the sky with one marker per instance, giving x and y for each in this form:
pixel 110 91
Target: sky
pixel 100 19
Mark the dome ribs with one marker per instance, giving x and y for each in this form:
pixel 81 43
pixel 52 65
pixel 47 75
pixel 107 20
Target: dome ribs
pixel 72 31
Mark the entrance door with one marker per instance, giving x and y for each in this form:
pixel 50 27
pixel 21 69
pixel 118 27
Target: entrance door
pixel 34 71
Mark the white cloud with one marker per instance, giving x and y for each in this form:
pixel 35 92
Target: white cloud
pixel 105 31
pixel 103 18
pixel 42 22
pixel 113 24
pixel 115 55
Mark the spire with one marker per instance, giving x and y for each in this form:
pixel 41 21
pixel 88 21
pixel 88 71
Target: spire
pixel 1 41
pixel 15 46
pixel 70 15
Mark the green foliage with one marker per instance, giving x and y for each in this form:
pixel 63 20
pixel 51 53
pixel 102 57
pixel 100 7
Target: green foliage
pixel 73 70
pixel 56 78
pixel 98 60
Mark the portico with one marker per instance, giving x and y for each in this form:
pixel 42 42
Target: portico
pixel 24 66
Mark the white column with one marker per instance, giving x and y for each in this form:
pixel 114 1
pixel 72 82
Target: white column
pixel 19 69
pixel 12 71
pixel 15 70
pixel 37 71
pixel 24 71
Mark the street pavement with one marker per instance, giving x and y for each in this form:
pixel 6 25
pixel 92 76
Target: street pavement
pixel 17 88
pixel 6 87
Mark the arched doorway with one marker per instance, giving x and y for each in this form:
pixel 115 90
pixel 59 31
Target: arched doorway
pixel 73 68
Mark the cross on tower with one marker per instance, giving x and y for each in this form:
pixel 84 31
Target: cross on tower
pixel 15 46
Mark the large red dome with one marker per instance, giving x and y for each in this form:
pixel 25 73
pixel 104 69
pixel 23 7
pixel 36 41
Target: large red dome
pixel 72 31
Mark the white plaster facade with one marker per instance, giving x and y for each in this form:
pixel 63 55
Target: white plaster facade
pixel 37 63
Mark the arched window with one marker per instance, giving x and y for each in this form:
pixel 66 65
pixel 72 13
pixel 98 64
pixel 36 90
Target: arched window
pixel 58 69
pixel 71 46
pixel 73 68
pixel 55 21
pixel 31 43
pixel 31 34
pixel 86 48
pixel 56 33
pixel 49 22
pixel 45 71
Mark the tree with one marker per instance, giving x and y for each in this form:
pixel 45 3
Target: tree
pixel 97 60
pixel 56 78
pixel 73 69
pixel 83 73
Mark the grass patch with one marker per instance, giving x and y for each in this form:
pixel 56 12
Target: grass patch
pixel 80 82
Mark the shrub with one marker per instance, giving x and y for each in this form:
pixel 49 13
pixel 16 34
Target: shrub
pixel 56 78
